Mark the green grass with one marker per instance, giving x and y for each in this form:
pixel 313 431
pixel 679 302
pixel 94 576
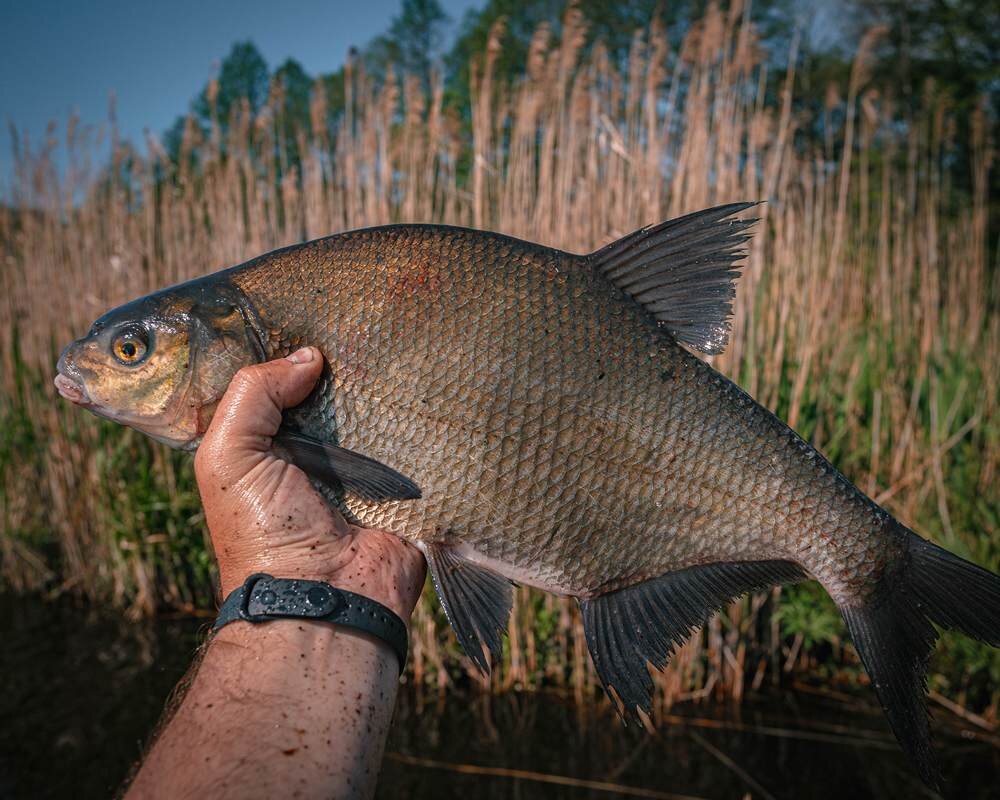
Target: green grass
pixel 870 315
pixel 150 523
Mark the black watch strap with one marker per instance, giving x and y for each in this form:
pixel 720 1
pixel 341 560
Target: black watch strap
pixel 263 597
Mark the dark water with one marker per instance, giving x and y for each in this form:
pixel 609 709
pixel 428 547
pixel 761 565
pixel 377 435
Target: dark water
pixel 82 691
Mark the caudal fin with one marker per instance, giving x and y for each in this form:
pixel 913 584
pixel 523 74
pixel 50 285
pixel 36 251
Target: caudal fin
pixel 894 635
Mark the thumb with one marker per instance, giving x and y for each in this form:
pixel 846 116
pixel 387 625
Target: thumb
pixel 249 413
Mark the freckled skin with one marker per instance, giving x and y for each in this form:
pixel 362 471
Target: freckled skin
pixel 287 703
pixel 549 423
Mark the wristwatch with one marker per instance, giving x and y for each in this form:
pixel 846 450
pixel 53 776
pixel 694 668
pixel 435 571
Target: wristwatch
pixel 263 597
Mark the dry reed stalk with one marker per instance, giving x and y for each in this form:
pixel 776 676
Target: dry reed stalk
pixel 573 154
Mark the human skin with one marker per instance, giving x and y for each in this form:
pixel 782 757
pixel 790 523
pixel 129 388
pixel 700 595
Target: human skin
pixel 290 708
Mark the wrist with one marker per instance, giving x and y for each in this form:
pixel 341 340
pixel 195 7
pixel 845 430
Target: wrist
pixel 272 645
pixel 269 645
pixel 370 563
pixel 232 576
pixel 380 589
pixel 265 598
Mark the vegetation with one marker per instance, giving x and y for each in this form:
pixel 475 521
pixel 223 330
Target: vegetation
pixel 867 317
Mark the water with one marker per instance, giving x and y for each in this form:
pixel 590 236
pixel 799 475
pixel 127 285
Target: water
pixel 82 691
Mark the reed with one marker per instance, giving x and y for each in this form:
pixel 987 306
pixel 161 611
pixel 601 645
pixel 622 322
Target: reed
pixel 867 316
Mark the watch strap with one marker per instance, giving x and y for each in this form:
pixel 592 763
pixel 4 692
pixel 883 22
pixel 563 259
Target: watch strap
pixel 263 597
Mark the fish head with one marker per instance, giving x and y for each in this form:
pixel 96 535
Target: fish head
pixel 160 364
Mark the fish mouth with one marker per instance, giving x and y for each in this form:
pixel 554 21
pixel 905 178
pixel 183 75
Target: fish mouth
pixel 71 390
pixel 69 383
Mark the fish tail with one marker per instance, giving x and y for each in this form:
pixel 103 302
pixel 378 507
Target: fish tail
pixel 894 634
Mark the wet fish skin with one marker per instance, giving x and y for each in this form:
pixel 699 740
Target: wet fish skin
pixel 560 436
pixel 549 423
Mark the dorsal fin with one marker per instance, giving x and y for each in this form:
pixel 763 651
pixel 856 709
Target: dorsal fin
pixel 683 272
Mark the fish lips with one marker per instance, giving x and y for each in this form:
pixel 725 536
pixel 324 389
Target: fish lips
pixel 69 382
pixel 71 390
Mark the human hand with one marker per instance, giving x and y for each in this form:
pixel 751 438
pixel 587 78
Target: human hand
pixel 320 727
pixel 264 515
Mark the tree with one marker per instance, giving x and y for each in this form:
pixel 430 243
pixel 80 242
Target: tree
pixel 612 24
pixel 413 42
pixel 292 114
pixel 954 44
pixel 947 48
pixel 243 74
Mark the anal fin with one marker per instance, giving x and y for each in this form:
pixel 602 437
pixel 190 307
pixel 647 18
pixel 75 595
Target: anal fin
pixel 476 601
pixel 644 623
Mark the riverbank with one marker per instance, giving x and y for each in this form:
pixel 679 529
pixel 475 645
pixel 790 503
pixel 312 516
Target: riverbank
pixel 84 689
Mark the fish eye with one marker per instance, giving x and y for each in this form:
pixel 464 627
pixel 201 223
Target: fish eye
pixel 130 347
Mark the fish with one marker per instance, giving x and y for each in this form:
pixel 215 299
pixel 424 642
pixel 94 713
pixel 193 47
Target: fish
pixel 526 415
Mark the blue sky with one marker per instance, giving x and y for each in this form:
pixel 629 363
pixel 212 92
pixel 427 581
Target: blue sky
pixel 61 55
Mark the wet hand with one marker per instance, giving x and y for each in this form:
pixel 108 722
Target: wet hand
pixel 265 516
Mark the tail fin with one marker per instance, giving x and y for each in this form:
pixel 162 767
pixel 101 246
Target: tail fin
pixel 894 636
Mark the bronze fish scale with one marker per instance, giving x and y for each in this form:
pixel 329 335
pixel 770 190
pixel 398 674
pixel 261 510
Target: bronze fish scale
pixel 549 422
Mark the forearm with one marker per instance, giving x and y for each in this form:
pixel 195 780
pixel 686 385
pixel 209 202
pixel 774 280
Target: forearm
pixel 290 706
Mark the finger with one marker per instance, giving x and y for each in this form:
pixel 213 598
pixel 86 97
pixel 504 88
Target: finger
pixel 249 413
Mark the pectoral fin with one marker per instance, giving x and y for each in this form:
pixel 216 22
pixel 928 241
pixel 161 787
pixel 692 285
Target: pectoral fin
pixel 476 601
pixel 336 467
pixel 644 623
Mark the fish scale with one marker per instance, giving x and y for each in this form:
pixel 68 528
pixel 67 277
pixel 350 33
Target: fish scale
pixel 511 369
pixel 521 413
